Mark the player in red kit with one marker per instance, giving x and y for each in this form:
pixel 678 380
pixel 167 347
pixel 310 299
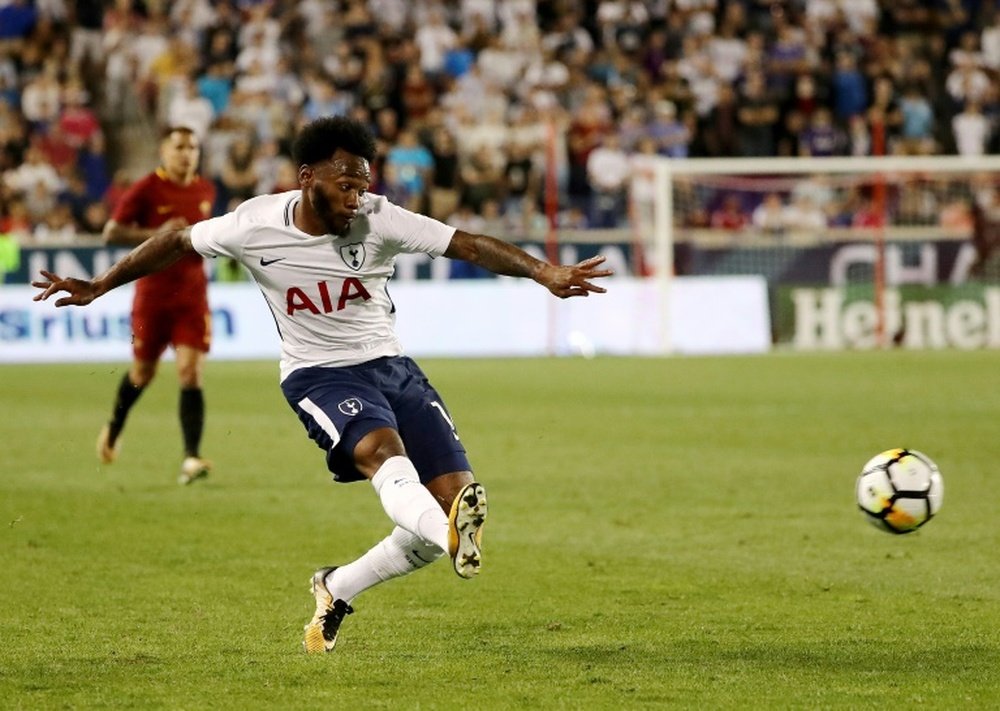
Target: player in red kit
pixel 170 308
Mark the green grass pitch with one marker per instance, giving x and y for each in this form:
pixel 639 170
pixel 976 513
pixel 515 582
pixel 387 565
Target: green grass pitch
pixel 664 533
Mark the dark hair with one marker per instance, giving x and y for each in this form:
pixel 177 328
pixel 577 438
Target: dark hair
pixel 321 138
pixel 170 130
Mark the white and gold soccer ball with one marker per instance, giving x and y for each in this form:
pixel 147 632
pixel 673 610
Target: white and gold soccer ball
pixel 899 490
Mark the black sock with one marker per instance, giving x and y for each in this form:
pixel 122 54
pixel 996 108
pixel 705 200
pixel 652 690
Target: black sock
pixel 124 400
pixel 192 411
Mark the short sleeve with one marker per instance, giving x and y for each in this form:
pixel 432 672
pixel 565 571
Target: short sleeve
pixel 412 232
pixel 218 236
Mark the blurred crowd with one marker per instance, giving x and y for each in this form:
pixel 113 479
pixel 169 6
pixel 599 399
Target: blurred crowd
pixel 472 99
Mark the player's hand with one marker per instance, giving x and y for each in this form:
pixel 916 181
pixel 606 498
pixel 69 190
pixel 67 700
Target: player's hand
pixel 80 292
pixel 574 279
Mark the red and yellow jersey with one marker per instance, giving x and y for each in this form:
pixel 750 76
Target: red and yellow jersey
pixel 150 202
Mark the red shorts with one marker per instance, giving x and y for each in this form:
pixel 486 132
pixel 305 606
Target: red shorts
pixel 154 328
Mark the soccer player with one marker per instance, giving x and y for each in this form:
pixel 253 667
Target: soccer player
pixel 171 306
pixel 323 256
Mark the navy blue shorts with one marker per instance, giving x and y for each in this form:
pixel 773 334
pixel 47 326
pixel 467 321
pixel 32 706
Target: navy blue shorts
pixel 339 406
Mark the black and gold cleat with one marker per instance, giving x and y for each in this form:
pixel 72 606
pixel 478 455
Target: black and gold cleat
pixel 321 632
pixel 465 530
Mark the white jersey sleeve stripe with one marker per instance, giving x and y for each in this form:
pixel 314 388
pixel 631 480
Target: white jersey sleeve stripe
pixel 325 423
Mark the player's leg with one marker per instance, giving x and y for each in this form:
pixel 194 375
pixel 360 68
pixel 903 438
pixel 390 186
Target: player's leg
pixel 353 422
pixel 150 336
pixel 347 414
pixel 191 337
pixel 467 509
pixel 398 554
pixel 131 386
pixel 403 552
pixel 191 410
pixel 433 444
pixel 381 457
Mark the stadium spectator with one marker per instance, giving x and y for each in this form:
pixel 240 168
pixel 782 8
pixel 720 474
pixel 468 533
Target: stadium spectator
pixel 55 147
pixel 769 215
pixel 95 216
pixel 803 214
pixel 92 162
pixel 971 129
pixel 238 177
pixel 757 115
pixel 74 194
pixel 916 133
pixel 967 81
pixel 16 221
pixel 117 187
pixel 884 113
pixel 40 100
pixel 77 120
pixel 730 215
pixel 671 134
pixel 56 227
pixel 608 175
pixel 17 19
pixel 990 40
pixel 445 189
pixel 521 179
pixel 189 108
pixel 33 172
pixel 216 85
pixel 270 167
pixel 718 132
pixel 413 162
pixel 397 190
pixel 859 138
pixel 957 215
pixel 868 214
pixel 170 308
pixel 417 95
pixel 849 87
pixel 821 137
pixel 435 38
pixel 369 408
pixel 481 177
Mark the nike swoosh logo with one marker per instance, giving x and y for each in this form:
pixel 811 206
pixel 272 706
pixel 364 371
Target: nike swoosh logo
pixel 267 262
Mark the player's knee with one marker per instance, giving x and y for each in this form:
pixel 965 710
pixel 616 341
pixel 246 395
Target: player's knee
pixel 142 374
pixel 189 377
pixel 376 447
pixel 189 369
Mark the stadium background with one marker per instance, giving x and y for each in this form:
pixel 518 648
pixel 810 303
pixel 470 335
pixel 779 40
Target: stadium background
pixel 515 118
pixel 665 532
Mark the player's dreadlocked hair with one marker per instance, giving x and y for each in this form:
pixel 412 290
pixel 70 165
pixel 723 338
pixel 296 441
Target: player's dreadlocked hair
pixel 321 138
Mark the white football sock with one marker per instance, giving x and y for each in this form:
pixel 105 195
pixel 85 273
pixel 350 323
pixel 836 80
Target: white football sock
pixel 408 502
pixel 399 553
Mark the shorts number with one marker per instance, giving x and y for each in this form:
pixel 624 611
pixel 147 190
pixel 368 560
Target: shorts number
pixel 440 408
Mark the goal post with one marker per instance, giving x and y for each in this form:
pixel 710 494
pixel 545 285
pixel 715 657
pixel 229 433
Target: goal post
pixel 858 252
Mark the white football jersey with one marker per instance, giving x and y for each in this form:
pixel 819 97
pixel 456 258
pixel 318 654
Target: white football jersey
pixel 328 294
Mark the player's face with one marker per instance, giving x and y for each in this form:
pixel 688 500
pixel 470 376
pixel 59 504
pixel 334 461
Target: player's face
pixel 335 190
pixel 180 152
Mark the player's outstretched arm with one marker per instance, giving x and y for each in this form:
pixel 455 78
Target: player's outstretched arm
pixel 151 256
pixel 499 257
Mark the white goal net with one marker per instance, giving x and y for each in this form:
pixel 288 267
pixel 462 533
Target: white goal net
pixel 857 252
